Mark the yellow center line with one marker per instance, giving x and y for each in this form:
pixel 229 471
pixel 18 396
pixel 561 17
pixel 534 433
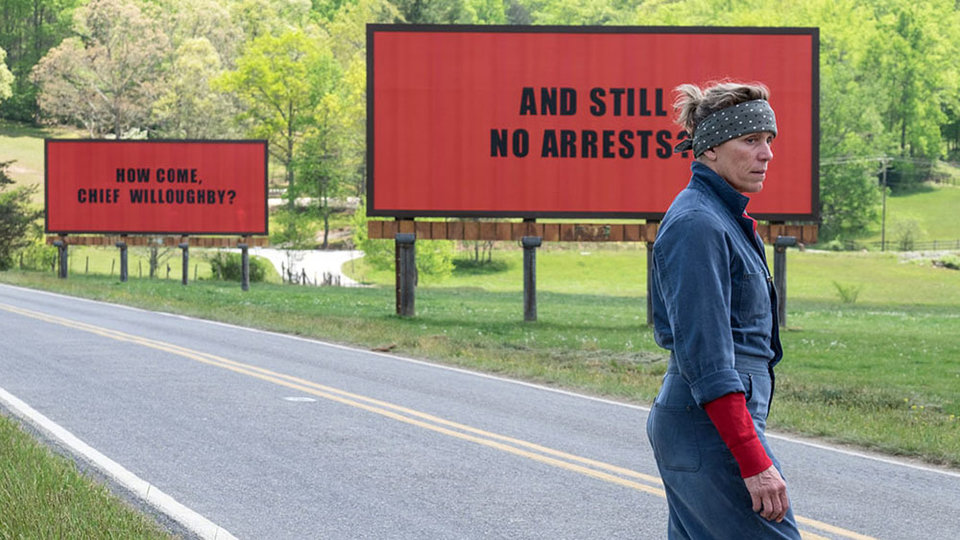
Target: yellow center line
pixel 529 450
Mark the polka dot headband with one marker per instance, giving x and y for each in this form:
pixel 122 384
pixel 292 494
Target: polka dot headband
pixel 729 123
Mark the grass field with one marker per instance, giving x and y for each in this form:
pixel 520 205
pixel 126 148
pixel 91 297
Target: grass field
pixel 929 213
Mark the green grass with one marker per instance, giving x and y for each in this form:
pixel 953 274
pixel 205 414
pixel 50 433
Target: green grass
pixel 616 269
pixel 43 496
pixel 930 211
pixel 882 372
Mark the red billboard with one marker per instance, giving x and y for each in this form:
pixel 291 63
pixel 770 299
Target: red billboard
pixel 156 187
pixel 494 121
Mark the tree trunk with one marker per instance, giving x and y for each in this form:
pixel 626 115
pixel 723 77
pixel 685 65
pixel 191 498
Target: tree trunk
pixel 291 196
pixel 154 260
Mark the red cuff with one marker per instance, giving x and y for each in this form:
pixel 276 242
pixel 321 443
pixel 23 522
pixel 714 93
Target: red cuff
pixel 732 419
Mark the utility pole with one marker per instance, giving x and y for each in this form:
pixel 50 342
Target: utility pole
pixel 884 161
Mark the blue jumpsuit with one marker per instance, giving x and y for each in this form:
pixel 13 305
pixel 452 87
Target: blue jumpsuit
pixel 715 311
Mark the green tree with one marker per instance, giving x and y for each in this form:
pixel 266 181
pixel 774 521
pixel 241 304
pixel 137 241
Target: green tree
pixel 185 21
pixel 260 18
pixel 6 78
pixel 914 55
pixel 852 135
pixel 18 227
pixel 28 29
pixel 189 107
pixel 276 80
pixel 107 78
pixel 437 11
pixel 581 12
pixel 319 162
pixel 348 42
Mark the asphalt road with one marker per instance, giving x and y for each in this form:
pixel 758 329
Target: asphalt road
pixel 269 436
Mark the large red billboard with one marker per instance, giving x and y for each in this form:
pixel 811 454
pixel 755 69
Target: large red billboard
pixel 156 187
pixel 494 121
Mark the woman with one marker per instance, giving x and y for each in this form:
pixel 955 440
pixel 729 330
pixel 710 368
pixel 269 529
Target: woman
pixel 714 309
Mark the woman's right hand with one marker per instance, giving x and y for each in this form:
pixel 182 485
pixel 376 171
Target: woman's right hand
pixel 768 491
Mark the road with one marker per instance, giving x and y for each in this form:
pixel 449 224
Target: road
pixel 270 436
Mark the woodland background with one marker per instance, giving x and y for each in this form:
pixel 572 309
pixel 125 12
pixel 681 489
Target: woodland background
pixel 293 72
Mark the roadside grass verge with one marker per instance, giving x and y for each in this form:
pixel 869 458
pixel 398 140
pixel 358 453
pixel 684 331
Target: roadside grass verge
pixel 43 496
pixel 882 372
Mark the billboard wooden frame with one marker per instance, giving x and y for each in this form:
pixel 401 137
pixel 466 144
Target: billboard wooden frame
pixel 411 212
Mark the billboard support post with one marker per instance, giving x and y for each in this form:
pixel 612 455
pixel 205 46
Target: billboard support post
pixel 780 274
pixel 123 261
pixel 185 272
pixel 244 264
pixel 62 257
pixel 406 273
pixel 530 245
pixel 650 241
pixel 649 283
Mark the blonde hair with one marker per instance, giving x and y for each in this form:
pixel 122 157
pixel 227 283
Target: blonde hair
pixel 693 104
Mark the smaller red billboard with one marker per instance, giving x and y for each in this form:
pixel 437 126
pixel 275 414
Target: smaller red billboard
pixel 156 187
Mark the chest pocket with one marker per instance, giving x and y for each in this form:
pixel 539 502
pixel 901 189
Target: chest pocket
pixel 751 300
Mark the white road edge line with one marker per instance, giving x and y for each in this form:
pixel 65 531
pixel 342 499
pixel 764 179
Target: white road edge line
pixel 192 521
pixel 769 434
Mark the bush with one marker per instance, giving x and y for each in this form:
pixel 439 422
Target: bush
pixel 848 293
pixel 906 176
pixel 37 256
pixel 905 234
pixel 834 245
pixel 434 257
pixel 17 218
pixel 948 261
pixel 229 267
pixel 472 267
pixel 296 229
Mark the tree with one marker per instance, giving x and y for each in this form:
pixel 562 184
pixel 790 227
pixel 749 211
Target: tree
pixel 435 11
pixel 189 107
pixel 108 77
pixel 592 12
pixel 319 162
pixel 914 54
pixel 275 80
pixel 17 217
pixel 348 42
pixel 260 18
pixel 28 29
pixel 6 78
pixel 184 21
pixel 852 135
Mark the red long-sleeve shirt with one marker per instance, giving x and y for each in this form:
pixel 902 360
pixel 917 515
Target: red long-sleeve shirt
pixel 732 419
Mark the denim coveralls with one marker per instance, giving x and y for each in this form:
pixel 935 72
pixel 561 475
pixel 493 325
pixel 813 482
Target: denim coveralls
pixel 714 309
